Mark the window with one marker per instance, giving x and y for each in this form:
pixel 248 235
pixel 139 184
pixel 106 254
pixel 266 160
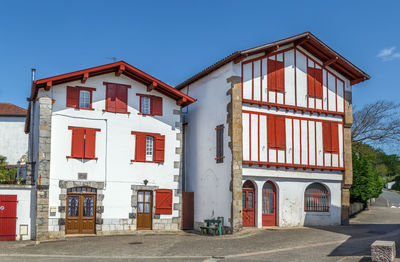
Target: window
pixel 220 144
pixel 276 132
pixel 84 99
pixel 149 147
pixel 150 105
pixel 314 81
pixel 330 137
pixel 316 198
pixel 83 144
pixel 276 77
pixel 116 98
pixel 80 97
pixel 163 201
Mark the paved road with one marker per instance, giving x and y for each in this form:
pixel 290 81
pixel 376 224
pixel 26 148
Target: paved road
pixel 336 243
pixel 389 199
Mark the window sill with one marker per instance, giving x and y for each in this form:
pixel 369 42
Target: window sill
pixel 79 108
pixel 82 158
pixel 158 162
pixel 141 114
pixel 331 152
pixel 277 148
pixel 128 113
pixel 315 97
pixel 278 91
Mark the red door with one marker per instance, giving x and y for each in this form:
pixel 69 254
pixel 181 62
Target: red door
pixel 8 217
pixel 248 204
pixel 269 204
pixel 187 210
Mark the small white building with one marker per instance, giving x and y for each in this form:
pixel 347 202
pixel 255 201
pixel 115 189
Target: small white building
pixel 106 151
pixel 268 141
pixel 13 140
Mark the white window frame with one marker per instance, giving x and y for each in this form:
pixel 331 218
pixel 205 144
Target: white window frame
pixel 84 94
pixel 145 105
pixel 149 148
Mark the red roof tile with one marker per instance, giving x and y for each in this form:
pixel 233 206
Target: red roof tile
pixel 8 109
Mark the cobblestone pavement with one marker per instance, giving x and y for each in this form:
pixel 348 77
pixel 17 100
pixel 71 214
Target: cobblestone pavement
pixel 339 243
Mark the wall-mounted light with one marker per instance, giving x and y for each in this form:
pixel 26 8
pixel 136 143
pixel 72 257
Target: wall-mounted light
pixel 145 182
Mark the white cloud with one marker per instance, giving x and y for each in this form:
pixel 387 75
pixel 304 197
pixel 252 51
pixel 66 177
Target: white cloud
pixel 388 54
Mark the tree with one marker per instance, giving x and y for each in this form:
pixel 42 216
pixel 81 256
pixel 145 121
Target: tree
pixel 6 174
pixel 378 122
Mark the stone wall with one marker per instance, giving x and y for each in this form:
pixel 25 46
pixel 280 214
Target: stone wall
pixel 234 120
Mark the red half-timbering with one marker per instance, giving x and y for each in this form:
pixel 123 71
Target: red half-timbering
pixel 289 141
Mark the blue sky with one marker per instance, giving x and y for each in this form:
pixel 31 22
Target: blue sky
pixel 172 40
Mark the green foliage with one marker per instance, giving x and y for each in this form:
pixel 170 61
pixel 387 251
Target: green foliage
pixel 396 185
pixel 6 174
pixel 367 183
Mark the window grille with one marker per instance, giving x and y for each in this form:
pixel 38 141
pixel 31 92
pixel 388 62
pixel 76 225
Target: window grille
pixel 316 198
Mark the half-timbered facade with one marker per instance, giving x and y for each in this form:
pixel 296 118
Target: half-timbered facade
pixel 285 108
pixel 105 148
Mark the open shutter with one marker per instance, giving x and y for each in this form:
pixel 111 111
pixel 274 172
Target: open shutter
pixel 90 143
pixel 280 132
pixel 271 131
pixel 280 76
pixel 271 75
pixel 327 136
pixel 140 149
pixel 318 82
pixel 159 148
pixel 78 142
pixel 163 201
pixel 121 99
pixel 156 106
pixel 110 100
pixel 72 97
pixel 335 137
pixel 311 81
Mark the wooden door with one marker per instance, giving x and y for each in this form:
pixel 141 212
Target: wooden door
pixel 269 204
pixel 248 204
pixel 187 210
pixel 144 209
pixel 81 212
pixel 8 217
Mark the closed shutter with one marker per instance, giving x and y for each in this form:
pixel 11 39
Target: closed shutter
pixel 271 75
pixel 280 76
pixel 110 100
pixel 311 81
pixel 121 99
pixel 140 148
pixel 159 148
pixel 78 142
pixel 156 106
pixel 72 97
pixel 90 143
pixel 335 137
pixel 327 136
pixel 220 144
pixel 280 132
pixel 163 201
pixel 318 82
pixel 271 131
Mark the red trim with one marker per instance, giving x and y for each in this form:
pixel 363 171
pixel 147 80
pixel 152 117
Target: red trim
pixel 291 165
pixel 86 148
pixel 80 88
pixel 155 136
pixel 219 157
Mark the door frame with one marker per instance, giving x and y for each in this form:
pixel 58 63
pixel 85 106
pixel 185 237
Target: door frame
pixel 276 208
pixel 151 208
pixel 80 210
pixel 247 189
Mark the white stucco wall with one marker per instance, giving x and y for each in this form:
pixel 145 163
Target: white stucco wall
pixel 13 140
pixel 26 210
pixel 114 145
pixel 208 180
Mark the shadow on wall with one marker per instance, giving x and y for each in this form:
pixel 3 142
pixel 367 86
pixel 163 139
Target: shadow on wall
pixel 331 218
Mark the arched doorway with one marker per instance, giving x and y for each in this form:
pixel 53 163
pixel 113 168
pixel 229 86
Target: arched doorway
pixel 248 204
pixel 269 204
pixel 81 210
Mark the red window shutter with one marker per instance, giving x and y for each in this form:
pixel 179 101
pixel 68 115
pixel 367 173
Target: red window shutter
pixel 311 81
pixel 90 143
pixel 78 142
pixel 326 127
pixel 156 105
pixel 111 95
pixel 335 137
pixel 72 97
pixel 159 148
pixel 163 201
pixel 318 82
pixel 271 77
pixel 121 99
pixel 280 132
pixel 140 148
pixel 271 131
pixel 280 76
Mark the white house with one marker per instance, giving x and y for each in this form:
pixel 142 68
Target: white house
pixel 105 147
pixel 13 140
pixel 268 140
